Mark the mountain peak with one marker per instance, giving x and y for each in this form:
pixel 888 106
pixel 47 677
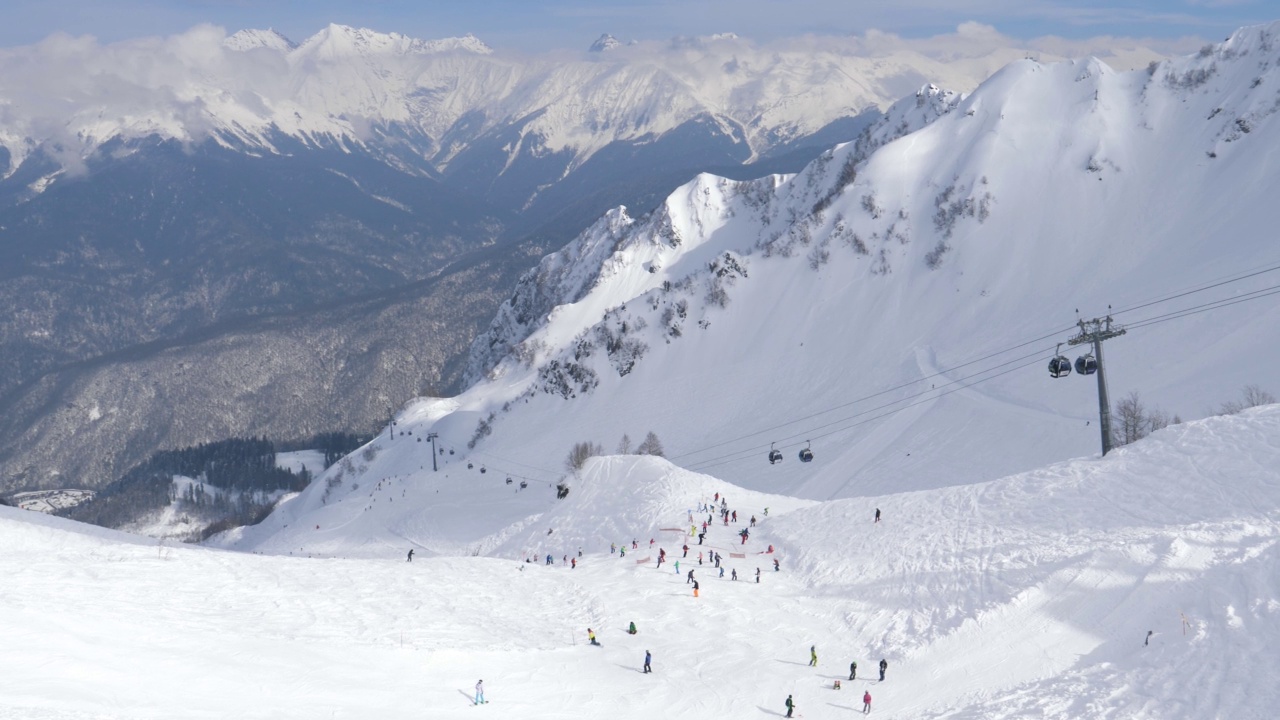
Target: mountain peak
pixel 251 39
pixel 603 43
pixel 345 41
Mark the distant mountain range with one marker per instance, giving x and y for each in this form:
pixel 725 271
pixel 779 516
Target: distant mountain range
pixel 206 236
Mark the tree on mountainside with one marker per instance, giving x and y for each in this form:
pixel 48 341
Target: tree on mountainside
pixel 651 446
pixel 624 445
pixel 1251 396
pixel 1135 421
pixel 579 454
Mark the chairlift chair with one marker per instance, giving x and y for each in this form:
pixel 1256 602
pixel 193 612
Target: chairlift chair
pixel 481 469
pixel 775 455
pixel 508 481
pixel 806 455
pixel 1059 366
pixel 1086 364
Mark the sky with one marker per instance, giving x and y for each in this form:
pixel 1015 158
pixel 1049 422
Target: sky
pixel 542 25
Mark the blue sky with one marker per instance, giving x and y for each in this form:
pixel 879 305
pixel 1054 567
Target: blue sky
pixel 538 25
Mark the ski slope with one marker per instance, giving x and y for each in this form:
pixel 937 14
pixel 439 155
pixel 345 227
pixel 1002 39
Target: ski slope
pixel 1026 596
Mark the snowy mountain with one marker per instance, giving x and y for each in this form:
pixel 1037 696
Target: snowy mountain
pixel 1065 592
pixel 894 305
pixel 194 205
pixel 603 43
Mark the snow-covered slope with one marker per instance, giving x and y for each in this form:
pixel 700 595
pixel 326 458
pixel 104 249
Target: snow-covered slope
pixel 898 310
pixel 1027 596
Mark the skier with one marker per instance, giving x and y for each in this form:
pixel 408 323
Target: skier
pixel 695 588
pixel 612 548
pixel 866 702
pixel 573 563
pixel 883 666
pixel 689 579
pixel 757 576
pixel 853 670
pixel 699 558
pixel 677 567
pixel 790 706
pixel 591 635
pixel 877 515
pixel 686 550
pixel 702 536
pixel 766 512
pixel 813 656
pixel 753 521
pixel 550 559
pixel 717 559
pixel 410 554
pixel 647 659
pixel 480 692
pixel 735 516
pixel 735 573
pixel 775 565
pixel 632 629
pixel 622 551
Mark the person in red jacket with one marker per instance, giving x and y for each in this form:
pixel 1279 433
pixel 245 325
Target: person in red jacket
pixel 866 702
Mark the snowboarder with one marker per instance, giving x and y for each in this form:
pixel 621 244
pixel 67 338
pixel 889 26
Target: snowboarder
pixel 790 706
pixel 877 515
pixel 591 635
pixel 647 659
pixel 410 554
pixel 480 692
pixel 632 629
pixel 813 656
pixel 866 702
pixel 883 666
pixel 695 588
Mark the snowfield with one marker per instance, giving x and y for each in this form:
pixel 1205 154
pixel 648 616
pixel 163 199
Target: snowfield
pixel 1027 596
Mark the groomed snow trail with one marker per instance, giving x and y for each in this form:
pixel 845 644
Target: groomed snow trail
pixel 1028 596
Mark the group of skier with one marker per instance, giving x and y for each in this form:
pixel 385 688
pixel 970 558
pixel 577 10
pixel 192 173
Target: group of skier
pixel 853 675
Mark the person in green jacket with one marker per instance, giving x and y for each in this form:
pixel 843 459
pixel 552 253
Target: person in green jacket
pixel 632 629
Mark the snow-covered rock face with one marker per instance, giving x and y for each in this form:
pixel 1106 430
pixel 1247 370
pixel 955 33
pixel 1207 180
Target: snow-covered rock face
pixel 844 304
